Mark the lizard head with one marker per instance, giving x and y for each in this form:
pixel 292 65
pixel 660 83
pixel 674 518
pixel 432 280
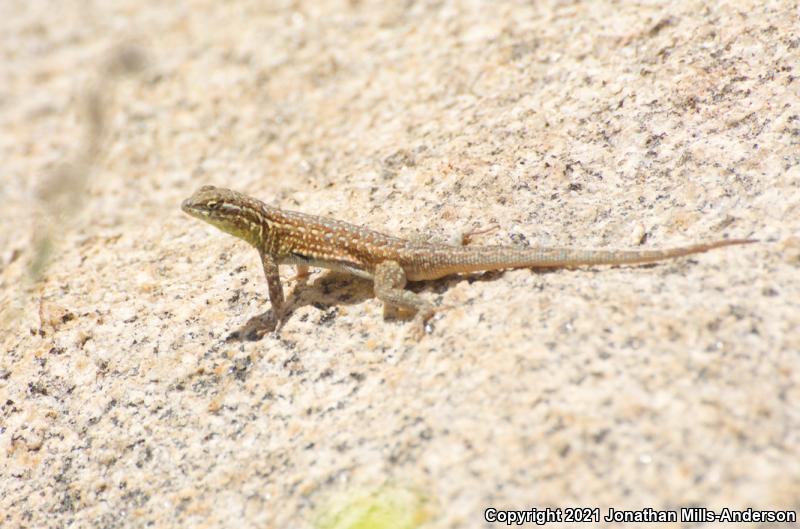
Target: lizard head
pixel 228 210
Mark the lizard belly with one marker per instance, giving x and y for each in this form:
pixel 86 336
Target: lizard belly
pixel 337 266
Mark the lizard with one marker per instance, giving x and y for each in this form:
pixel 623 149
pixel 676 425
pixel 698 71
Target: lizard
pixel 284 237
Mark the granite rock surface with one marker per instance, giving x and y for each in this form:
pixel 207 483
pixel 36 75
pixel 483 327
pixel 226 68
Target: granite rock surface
pixel 124 399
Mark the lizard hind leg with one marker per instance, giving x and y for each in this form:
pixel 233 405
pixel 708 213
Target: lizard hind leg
pixel 461 237
pixel 390 281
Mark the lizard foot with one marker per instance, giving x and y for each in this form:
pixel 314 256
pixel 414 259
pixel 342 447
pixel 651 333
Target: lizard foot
pixel 256 328
pixel 420 324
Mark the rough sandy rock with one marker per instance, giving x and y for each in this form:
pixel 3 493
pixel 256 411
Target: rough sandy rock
pixel 586 124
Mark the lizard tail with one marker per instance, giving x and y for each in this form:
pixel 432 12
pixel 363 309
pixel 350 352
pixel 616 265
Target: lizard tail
pixel 558 257
pixel 483 258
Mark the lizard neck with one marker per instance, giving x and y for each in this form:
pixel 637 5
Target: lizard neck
pixel 246 218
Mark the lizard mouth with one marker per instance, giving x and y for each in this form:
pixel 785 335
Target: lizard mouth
pixel 189 208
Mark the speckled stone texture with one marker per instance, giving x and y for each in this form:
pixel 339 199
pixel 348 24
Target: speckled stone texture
pixel 588 124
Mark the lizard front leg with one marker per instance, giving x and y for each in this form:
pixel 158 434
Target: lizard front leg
pixel 390 281
pixel 274 283
pixel 257 326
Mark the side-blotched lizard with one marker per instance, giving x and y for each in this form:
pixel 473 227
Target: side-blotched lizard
pixel 289 237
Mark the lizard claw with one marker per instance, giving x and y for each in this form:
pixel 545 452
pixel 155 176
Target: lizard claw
pixel 256 328
pixel 420 323
pixel 418 329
